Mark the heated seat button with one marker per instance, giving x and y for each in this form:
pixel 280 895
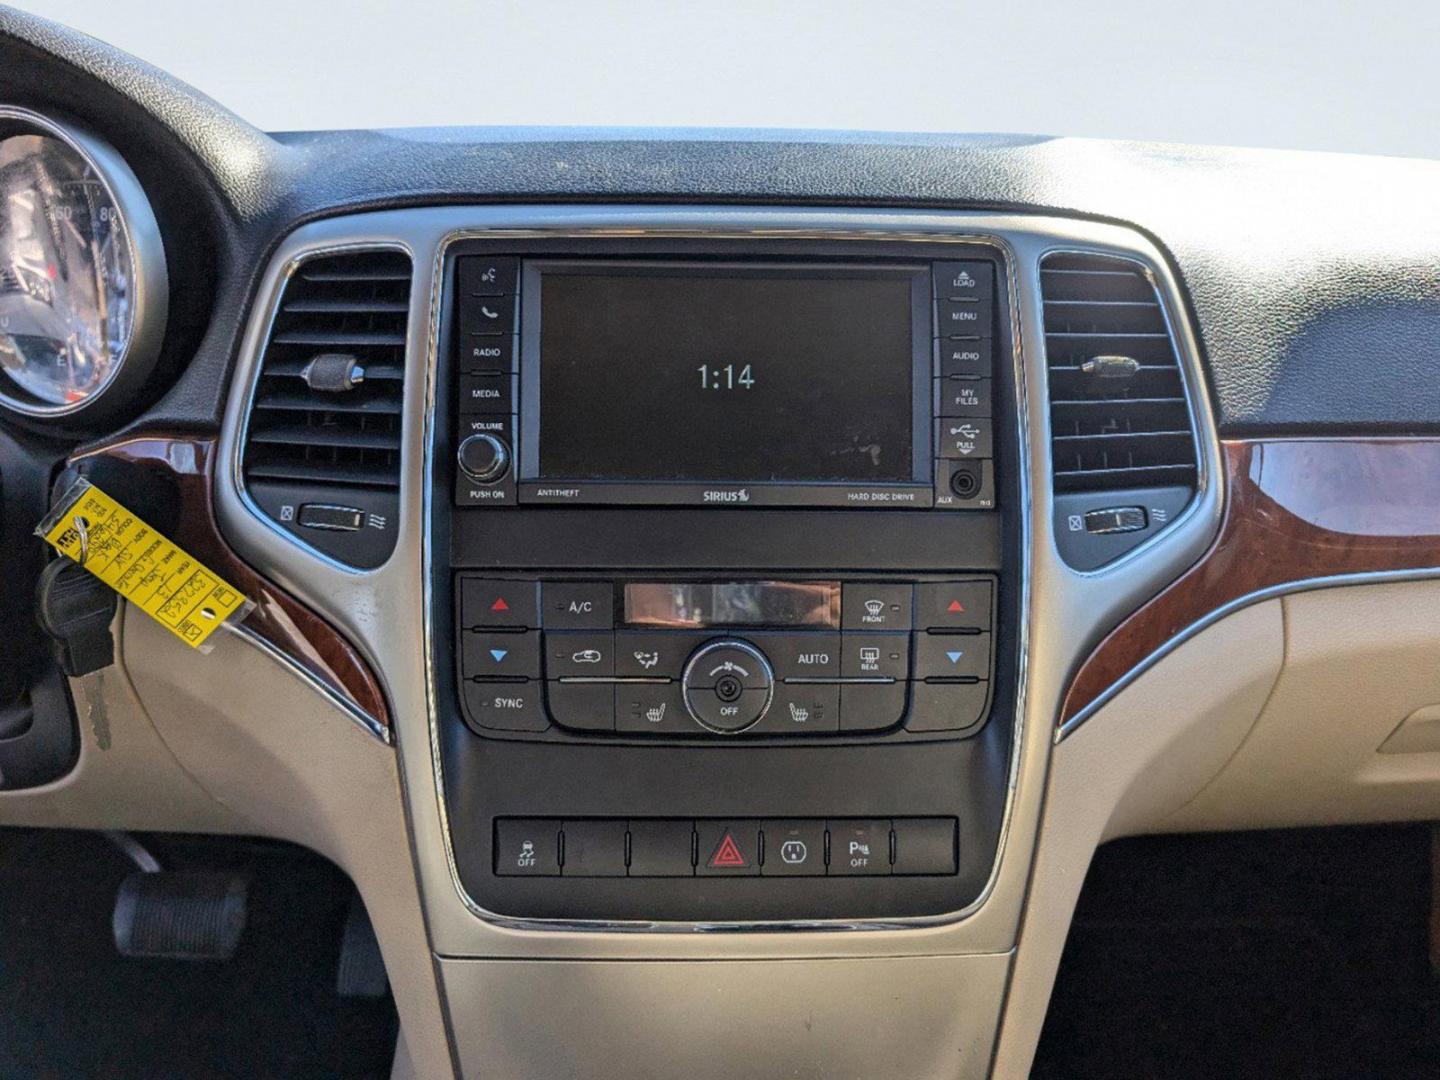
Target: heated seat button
pixel 871 706
pixel 505 706
pixel 492 602
pixel 653 708
pixel 801 656
pixel 583 706
pixel 925 846
pixel 661 848
pixel 952 656
pixel 728 848
pixel 869 605
pixel 801 709
pixel 527 848
pixel 577 605
pixel 952 706
pixel 953 605
pixel 594 849
pixel 487 654
pixel 794 849
pixel 859 848
pixel 571 654
pixel 875 656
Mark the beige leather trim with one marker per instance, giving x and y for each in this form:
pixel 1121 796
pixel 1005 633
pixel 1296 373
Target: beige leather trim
pixel 916 1018
pixel 281 757
pixel 1358 662
pixel 1131 765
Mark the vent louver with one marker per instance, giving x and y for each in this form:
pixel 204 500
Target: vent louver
pixel 325 421
pixel 1118 412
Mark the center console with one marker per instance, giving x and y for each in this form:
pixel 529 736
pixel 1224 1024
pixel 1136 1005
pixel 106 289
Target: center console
pixel 727 560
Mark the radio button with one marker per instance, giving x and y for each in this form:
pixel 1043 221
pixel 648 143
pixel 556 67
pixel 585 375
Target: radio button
pixel 481 275
pixel 952 605
pixel 577 605
pixel 874 606
pixel 487 352
pixel 964 280
pixel 492 393
pixel 652 708
pixel 871 706
pixel 488 655
pixel 641 654
pixel 963 437
pixel 952 656
pixel 874 656
pixel 801 656
pixel 964 356
pixel 962 318
pixel 801 709
pixel 582 706
pixel 505 706
pixel 579 654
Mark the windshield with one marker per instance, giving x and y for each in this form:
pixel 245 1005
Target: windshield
pixel 1303 74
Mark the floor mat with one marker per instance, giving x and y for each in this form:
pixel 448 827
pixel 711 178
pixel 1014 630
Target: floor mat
pixel 71 1006
pixel 1301 953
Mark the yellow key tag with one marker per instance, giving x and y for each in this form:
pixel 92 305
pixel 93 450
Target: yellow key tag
pixel 146 568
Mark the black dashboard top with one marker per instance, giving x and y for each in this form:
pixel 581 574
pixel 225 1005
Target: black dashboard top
pixel 1314 277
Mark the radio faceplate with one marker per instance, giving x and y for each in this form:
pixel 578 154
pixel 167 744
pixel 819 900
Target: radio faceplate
pixel 863 384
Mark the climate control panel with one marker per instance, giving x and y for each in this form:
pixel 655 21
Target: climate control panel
pixel 717 659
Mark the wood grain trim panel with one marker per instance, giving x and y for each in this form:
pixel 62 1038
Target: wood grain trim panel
pixel 182 467
pixel 1295 509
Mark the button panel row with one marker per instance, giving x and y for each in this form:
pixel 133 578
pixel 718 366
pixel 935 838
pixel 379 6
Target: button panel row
pixel 740 847
pixel 487 301
pixel 964 380
pixel 584 675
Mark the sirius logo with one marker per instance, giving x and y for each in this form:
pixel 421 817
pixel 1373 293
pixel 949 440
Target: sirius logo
pixel 740 496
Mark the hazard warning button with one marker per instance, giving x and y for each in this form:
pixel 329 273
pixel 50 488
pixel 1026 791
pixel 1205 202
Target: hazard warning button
pixel 728 848
pixel 952 605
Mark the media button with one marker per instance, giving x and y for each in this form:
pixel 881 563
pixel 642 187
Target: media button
pixel 964 280
pixel 875 606
pixel 487 393
pixel 962 318
pixel 963 397
pixel 794 849
pixel 964 356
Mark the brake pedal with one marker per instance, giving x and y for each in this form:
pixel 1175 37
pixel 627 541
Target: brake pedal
pixel 181 914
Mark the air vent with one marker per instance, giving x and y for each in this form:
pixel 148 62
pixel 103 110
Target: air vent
pixel 322 446
pixel 1118 412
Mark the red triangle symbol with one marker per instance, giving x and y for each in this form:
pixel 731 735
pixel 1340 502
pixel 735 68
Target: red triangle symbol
pixel 955 605
pixel 500 604
pixel 728 853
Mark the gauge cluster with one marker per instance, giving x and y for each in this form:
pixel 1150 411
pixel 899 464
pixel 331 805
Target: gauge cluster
pixel 83 287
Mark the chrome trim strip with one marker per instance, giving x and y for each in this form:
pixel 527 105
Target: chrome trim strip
pixel 367 723
pixel 151 284
pixel 1210 618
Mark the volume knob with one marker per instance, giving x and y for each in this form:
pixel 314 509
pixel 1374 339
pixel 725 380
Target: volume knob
pixel 484 458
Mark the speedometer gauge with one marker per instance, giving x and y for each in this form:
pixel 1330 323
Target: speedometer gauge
pixel 82 278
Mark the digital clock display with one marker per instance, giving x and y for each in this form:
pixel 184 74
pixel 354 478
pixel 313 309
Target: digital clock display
pixel 727 374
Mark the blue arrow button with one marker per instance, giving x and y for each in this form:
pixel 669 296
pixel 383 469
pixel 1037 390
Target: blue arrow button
pixel 955 656
pixel 499 654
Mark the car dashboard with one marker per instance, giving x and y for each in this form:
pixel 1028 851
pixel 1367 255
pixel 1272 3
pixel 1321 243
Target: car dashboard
pixel 713 592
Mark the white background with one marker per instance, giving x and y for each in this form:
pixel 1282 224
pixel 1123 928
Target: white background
pixel 1311 74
